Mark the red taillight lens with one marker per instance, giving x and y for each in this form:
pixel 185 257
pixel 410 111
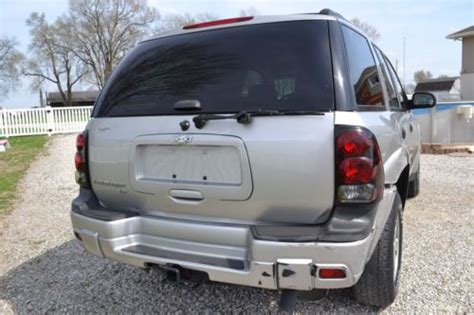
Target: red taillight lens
pixel 218 22
pixel 359 169
pixel 80 142
pixel 353 143
pixel 327 273
pixel 356 170
pixel 80 162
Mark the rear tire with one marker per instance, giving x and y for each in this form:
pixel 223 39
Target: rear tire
pixel 414 185
pixel 378 285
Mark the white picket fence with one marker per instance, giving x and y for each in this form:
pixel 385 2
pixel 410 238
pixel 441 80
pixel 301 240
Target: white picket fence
pixel 46 120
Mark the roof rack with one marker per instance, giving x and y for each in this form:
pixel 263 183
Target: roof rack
pixel 332 13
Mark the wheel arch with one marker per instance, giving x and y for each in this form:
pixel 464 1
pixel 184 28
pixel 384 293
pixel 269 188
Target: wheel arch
pixel 397 172
pixel 402 184
pixel 394 164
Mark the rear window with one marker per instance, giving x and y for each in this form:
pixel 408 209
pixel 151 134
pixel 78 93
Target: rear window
pixel 280 66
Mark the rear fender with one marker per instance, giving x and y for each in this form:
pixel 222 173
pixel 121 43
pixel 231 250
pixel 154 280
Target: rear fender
pixel 395 164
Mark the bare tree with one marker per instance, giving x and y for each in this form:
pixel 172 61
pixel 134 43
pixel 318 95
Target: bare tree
pixel 443 76
pixel 368 29
pixel 422 75
pixel 250 11
pixel 51 58
pixel 103 31
pixel 10 59
pixel 171 22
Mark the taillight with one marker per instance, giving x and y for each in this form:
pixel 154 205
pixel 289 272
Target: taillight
pixel 80 161
pixel 359 168
pixel 356 170
pixel 354 142
pixel 80 142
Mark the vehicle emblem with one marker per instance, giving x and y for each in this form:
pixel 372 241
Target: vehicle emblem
pixel 182 140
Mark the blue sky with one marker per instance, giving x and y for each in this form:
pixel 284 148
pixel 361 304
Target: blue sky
pixel 423 23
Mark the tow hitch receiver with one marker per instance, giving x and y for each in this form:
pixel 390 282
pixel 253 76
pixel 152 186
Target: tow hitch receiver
pixel 172 273
pixel 176 273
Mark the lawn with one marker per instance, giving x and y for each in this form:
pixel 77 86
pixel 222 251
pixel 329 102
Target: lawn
pixel 14 163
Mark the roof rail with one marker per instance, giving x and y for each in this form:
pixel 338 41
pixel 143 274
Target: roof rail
pixel 332 13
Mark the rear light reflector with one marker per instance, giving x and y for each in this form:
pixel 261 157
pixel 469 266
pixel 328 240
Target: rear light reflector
pixel 327 273
pixel 218 22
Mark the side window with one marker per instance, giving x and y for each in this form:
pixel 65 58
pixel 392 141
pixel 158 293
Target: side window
pixel 391 92
pixel 364 75
pixel 396 81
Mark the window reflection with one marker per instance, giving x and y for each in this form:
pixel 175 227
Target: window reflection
pixel 364 75
pixel 268 66
pixel 392 95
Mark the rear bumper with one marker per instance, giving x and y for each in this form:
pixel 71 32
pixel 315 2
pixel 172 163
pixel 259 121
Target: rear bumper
pixel 228 253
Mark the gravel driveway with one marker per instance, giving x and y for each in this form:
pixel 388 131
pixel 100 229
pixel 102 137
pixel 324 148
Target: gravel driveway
pixel 42 269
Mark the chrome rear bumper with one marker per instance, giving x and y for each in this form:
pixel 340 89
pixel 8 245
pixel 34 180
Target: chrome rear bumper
pixel 229 253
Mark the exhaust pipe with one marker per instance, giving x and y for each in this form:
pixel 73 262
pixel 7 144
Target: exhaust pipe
pixel 288 298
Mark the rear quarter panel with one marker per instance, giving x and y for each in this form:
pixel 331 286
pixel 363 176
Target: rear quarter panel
pixel 386 128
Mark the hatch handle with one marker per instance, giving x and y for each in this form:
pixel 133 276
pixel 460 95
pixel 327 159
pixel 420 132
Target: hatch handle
pixel 187 105
pixel 186 194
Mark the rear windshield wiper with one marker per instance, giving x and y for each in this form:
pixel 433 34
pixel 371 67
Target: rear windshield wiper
pixel 245 116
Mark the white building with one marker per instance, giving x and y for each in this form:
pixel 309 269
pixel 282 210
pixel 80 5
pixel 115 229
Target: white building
pixel 467 70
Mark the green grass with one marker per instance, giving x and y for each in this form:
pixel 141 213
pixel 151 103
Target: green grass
pixel 14 163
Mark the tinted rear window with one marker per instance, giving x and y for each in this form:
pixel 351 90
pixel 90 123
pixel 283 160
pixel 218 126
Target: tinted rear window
pixel 268 66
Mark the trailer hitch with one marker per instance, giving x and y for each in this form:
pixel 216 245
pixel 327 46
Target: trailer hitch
pixel 173 273
pixel 177 274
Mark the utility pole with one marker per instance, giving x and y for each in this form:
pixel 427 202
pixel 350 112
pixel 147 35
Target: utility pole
pixel 404 69
pixel 41 98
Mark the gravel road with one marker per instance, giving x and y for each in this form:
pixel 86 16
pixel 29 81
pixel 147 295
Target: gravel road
pixel 42 269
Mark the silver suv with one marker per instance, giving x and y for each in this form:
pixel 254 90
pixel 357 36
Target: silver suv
pixel 274 152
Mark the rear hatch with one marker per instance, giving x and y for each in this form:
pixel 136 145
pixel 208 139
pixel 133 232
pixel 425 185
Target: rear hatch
pixel 146 153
